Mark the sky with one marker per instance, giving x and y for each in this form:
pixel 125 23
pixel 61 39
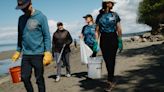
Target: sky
pixel 60 10
pixel 70 12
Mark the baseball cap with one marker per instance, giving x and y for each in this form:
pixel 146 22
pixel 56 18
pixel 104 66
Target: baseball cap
pixel 88 15
pixel 22 4
pixel 59 24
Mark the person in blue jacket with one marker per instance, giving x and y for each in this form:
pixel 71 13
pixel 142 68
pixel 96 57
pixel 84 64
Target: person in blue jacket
pixel 34 42
pixel 89 33
pixel 108 25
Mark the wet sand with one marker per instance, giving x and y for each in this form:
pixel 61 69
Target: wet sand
pixel 6 54
pixel 139 68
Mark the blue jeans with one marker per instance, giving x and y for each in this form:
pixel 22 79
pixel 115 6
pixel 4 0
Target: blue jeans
pixel 29 62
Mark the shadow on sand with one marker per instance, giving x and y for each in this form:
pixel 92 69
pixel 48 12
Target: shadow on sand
pixel 148 78
pixel 88 84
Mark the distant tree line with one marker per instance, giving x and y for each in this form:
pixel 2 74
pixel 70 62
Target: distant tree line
pixel 151 12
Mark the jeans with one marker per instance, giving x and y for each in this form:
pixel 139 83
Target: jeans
pixel 30 62
pixel 66 62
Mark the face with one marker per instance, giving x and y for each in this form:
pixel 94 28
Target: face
pixel 60 27
pixel 88 19
pixel 27 10
pixel 109 5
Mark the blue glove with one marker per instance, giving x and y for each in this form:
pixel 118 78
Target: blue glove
pixel 120 44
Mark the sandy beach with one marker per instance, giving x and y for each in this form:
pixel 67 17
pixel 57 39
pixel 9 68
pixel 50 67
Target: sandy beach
pixel 139 68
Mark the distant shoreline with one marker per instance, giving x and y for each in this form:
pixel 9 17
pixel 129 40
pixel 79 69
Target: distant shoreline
pixel 6 54
pixel 135 34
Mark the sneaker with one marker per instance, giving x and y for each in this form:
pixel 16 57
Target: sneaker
pixel 110 86
pixel 68 75
pixel 57 78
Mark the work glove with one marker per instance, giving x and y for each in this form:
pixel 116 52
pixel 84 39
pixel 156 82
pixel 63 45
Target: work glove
pixel 47 58
pixel 16 56
pixel 96 47
pixel 120 44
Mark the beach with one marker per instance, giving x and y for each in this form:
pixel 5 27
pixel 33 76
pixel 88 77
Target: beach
pixel 139 68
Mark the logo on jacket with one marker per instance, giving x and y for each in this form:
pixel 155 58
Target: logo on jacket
pixel 32 24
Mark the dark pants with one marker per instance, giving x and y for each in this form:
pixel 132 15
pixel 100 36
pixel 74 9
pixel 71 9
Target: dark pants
pixel 109 46
pixel 66 62
pixel 29 62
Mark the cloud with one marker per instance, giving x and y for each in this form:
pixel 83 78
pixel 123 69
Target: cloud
pixel 95 12
pixel 7 28
pixel 74 27
pixel 8 35
pixel 127 10
pixel 52 26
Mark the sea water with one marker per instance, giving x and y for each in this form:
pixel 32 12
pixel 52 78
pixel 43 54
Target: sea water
pixel 7 47
pixel 6 64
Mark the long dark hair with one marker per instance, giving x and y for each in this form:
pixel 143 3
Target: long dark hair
pixel 104 8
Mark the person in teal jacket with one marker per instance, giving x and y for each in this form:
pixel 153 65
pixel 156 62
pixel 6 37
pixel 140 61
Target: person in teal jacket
pixel 34 42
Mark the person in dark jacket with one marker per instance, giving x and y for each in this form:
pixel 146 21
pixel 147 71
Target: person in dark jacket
pixel 61 39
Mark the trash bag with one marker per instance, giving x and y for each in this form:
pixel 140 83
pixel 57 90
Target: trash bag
pixel 85 52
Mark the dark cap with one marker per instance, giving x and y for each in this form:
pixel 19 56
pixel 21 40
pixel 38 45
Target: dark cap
pixel 22 4
pixel 88 15
pixel 59 24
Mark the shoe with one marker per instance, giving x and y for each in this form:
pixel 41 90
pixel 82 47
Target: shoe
pixel 68 75
pixel 110 86
pixel 57 78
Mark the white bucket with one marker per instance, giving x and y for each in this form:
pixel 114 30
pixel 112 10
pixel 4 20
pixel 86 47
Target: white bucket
pixel 95 67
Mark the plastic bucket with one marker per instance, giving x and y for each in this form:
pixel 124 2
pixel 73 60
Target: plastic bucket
pixel 95 67
pixel 15 74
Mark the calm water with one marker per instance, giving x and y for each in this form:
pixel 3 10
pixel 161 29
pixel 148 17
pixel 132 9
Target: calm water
pixel 6 47
pixel 6 64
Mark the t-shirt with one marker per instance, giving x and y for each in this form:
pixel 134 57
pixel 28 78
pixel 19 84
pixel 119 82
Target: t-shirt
pixel 89 34
pixel 107 22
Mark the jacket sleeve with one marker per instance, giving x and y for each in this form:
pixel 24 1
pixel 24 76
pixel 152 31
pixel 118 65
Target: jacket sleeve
pixel 19 43
pixel 46 34
pixel 53 44
pixel 83 29
pixel 69 39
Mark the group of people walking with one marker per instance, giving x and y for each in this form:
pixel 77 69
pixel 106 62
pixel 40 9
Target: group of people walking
pixel 34 42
